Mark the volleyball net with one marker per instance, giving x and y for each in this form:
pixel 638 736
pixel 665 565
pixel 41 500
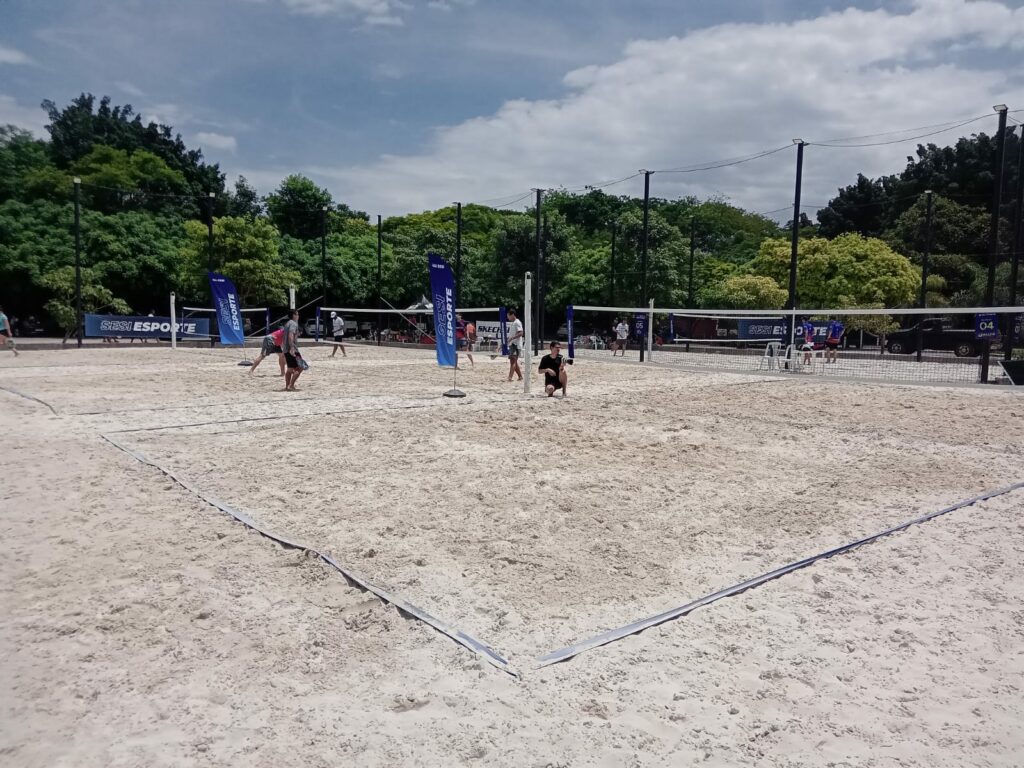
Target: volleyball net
pixel 414 325
pixel 932 345
pixel 255 321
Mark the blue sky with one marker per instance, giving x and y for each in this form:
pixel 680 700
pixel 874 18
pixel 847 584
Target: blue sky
pixel 400 105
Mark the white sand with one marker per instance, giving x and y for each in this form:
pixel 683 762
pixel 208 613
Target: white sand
pixel 143 627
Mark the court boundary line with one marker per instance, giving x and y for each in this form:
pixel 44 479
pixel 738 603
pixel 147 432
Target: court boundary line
pixel 466 641
pixel 30 397
pixel 635 627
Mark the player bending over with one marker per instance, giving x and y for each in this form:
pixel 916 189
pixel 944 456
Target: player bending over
pixel 271 346
pixel 552 365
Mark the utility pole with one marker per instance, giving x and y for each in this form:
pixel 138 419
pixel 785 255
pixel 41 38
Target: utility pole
pixel 540 258
pixel 209 231
pixel 643 251
pixel 611 273
pixel 795 235
pixel 1018 245
pixel 79 319
pixel 458 254
pixel 323 255
pixel 693 241
pixel 542 281
pixel 993 235
pixel 923 300
pixel 380 295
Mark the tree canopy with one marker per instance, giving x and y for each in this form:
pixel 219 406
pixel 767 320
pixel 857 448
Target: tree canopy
pixel 144 233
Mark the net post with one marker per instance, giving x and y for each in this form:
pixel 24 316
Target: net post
pixel 527 330
pixel 317 334
pixel 174 325
pixel 291 297
pixel 650 330
pixel 266 324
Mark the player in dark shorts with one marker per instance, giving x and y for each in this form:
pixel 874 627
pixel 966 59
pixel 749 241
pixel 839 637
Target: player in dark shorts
pixel 552 365
pixel 292 357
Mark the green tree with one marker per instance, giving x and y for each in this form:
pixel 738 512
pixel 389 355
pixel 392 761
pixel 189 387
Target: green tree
pixel 95 297
pixel 77 128
pixel 114 180
pixel 849 271
pixel 296 207
pixel 745 292
pixel 245 250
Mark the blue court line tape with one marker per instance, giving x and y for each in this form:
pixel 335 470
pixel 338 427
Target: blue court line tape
pixel 563 654
pixel 30 397
pixel 489 655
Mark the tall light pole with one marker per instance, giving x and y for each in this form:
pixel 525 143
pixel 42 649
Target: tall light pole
pixel 693 241
pixel 923 300
pixel 1018 244
pixel 540 257
pixel 78 260
pixel 993 235
pixel 795 234
pixel 643 250
pixel 380 296
pixel 458 253
pixel 611 274
pixel 323 254
pixel 209 231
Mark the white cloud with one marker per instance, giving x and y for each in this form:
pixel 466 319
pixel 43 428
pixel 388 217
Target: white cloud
pixel 372 12
pixel 209 139
pixel 13 56
pixel 724 91
pixel 30 118
pixel 132 90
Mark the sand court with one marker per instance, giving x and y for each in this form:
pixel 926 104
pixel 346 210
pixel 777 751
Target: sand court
pixel 531 523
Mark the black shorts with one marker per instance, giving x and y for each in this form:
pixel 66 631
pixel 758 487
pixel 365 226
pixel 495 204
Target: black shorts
pixel 551 381
pixel 290 360
pixel 339 338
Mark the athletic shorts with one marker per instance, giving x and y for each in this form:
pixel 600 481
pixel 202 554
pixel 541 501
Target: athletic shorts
pixel 269 347
pixel 470 346
pixel 806 347
pixel 513 351
pixel 552 382
pixel 460 343
pixel 832 344
pixel 339 337
pixel 291 361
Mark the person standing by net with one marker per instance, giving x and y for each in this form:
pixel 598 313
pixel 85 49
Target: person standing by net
pixel 515 344
pixel 832 338
pixel 807 341
pixel 292 358
pixel 271 346
pixel 621 337
pixel 338 329
pixel 7 333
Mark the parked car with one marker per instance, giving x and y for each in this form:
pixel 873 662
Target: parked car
pixel 936 334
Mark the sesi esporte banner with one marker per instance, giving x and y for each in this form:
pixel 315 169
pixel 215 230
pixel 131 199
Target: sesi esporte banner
pixel 228 306
pixel 149 327
pixel 442 287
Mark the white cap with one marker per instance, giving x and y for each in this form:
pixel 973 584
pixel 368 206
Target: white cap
pixel 334 314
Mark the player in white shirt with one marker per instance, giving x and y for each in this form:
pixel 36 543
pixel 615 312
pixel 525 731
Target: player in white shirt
pixel 338 329
pixel 621 336
pixel 516 339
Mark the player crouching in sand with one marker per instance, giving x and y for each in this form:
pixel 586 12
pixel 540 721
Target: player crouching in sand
pixel 552 365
